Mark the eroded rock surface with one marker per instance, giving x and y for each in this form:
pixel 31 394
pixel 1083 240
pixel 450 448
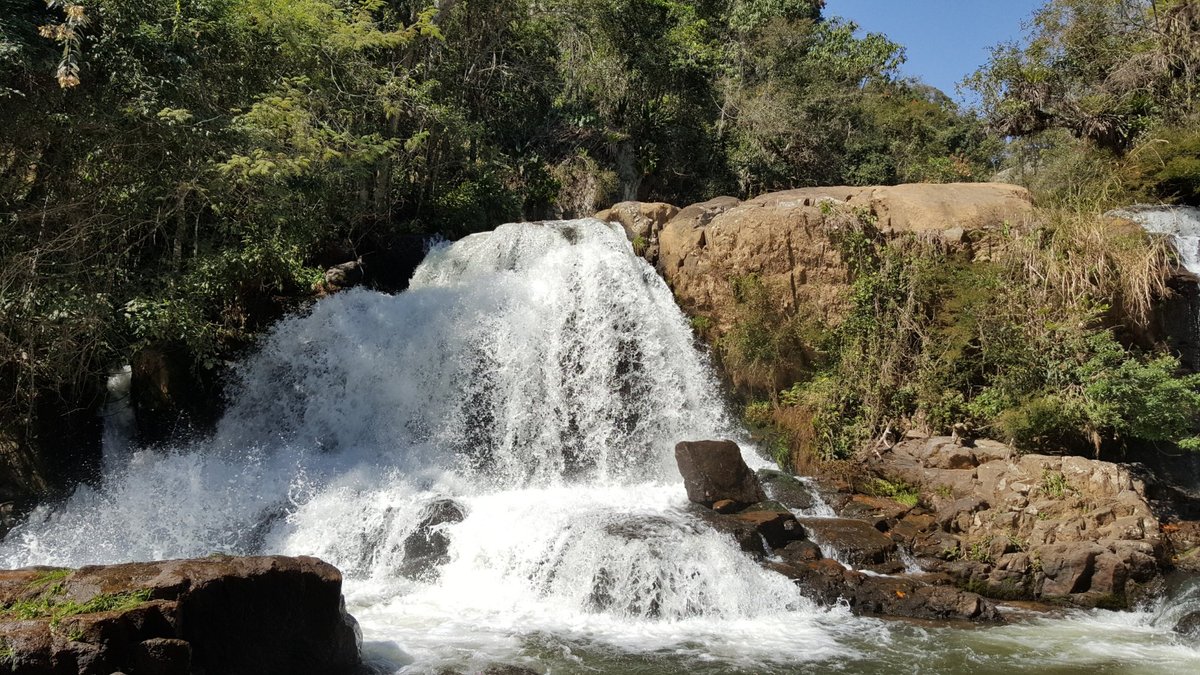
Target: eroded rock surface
pixel 261 615
pixel 1026 526
pixel 789 239
pixel 770 532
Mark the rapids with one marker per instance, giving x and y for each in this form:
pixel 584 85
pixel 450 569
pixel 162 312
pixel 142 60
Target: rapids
pixel 539 375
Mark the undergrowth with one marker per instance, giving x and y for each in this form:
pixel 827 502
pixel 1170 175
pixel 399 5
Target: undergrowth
pixel 1020 340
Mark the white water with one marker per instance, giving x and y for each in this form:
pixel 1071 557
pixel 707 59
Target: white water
pixel 1182 223
pixel 539 375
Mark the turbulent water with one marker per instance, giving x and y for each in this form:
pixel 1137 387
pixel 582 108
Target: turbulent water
pixel 539 376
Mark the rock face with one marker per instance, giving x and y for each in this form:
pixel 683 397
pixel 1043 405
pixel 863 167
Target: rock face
pixel 714 471
pixel 1026 526
pixel 642 222
pixel 769 532
pixel 214 615
pixel 788 239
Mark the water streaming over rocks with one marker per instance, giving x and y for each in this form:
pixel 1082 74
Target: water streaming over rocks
pixel 487 457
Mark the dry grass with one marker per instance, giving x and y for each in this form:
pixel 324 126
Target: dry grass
pixel 1075 259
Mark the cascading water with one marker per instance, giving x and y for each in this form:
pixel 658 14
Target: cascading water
pixel 513 413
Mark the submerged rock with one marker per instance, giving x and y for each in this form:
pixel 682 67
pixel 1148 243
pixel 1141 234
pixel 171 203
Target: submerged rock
pixel 260 615
pixel 428 547
pixel 715 471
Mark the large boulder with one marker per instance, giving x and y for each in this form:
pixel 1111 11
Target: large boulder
pixel 714 471
pixel 262 615
pixel 789 239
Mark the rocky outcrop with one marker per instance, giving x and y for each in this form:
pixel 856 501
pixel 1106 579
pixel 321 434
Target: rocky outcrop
pixel 1025 526
pixel 770 532
pixel 213 615
pixel 789 239
pixel 642 222
pixel 714 471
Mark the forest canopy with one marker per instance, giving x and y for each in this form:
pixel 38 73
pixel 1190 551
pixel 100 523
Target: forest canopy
pixel 171 171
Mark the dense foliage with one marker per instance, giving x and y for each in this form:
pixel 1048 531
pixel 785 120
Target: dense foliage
pixel 1103 101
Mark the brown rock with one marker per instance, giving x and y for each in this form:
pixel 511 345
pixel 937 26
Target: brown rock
pixel 1068 568
pixel 787 240
pixel 714 471
pixel 776 527
pixel 162 656
pixel 725 506
pixel 236 615
pixel 854 541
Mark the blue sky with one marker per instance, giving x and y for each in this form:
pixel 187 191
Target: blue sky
pixel 945 39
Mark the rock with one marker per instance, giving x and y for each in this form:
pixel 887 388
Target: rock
pixel 1068 568
pixel 162 656
pixel 830 583
pixel 777 528
pixel 854 541
pixel 1189 625
pixel 725 506
pixel 428 547
pixel 787 240
pixel 642 222
pixel 787 490
pixel 345 275
pixel 1089 523
pixel 269 615
pixel 714 471
pixel 800 550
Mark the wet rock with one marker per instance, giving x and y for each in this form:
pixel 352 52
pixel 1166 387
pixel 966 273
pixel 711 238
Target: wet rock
pixel 856 542
pixel 725 506
pixel 1189 625
pixel 829 582
pixel 714 471
pixel 264 615
pixel 428 546
pixel 345 275
pixel 800 551
pixel 777 528
pixel 786 489
pixel 755 531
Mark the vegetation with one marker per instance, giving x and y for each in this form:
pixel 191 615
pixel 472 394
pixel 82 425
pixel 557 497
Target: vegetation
pixel 49 602
pixel 1022 347
pixel 1102 100
pixel 177 172
pixel 1034 345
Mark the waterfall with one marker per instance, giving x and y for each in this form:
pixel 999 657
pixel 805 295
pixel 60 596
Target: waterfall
pixel 488 459
pixel 533 381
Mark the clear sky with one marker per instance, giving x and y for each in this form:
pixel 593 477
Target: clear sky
pixel 945 39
